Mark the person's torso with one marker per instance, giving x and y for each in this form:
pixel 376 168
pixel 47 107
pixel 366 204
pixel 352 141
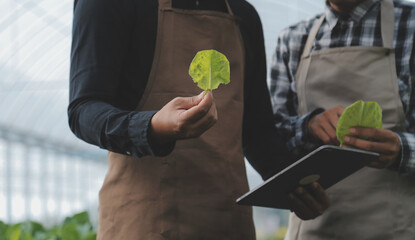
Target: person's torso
pixel 365 32
pixel 191 193
pixel 143 19
pixel 340 76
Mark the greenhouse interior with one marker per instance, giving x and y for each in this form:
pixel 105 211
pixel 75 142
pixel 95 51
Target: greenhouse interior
pixel 47 173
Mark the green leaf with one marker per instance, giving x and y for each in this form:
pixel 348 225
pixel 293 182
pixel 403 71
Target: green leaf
pixel 90 236
pixel 25 236
pixel 51 234
pixel 359 114
pixel 31 227
pixel 82 223
pixel 84 229
pixel 53 231
pixel 3 230
pixel 77 227
pixel 210 68
pixel 79 218
pixel 14 232
pixel 70 232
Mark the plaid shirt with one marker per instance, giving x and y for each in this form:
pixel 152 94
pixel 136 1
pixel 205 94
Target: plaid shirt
pixel 360 28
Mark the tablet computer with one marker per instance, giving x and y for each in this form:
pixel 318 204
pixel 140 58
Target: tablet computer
pixel 327 165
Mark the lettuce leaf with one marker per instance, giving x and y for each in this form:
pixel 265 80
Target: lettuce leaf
pixel 359 114
pixel 210 68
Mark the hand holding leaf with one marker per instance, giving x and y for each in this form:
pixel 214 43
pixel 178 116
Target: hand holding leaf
pixel 210 68
pixel 361 128
pixel 359 114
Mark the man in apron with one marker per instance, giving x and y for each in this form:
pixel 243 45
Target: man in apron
pixel 171 174
pixel 355 50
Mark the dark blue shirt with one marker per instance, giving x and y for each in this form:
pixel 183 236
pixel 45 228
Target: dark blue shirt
pixel 112 53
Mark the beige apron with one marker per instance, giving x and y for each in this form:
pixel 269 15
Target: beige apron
pixel 370 204
pixel 191 193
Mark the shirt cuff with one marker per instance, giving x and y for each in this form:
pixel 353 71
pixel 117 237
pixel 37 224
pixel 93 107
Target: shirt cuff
pixel 303 142
pixel 306 137
pixel 138 130
pixel 407 161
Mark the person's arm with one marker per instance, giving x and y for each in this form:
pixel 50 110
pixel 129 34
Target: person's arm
pixel 263 147
pixel 101 40
pixel 407 160
pixel 290 125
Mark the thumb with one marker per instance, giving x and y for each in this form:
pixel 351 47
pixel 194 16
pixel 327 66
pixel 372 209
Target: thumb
pixel 189 102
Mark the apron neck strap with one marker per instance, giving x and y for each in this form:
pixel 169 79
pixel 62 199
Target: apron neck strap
pixel 167 4
pixel 312 36
pixel 387 24
pixel 387 16
pixel 229 8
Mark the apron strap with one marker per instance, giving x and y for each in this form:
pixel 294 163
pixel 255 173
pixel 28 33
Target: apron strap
pixel 312 36
pixel 387 27
pixel 165 4
pixel 229 8
pixel 387 16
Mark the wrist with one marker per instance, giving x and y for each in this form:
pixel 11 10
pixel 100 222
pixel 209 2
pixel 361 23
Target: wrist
pixel 156 131
pixel 398 160
pixel 308 132
pixel 159 142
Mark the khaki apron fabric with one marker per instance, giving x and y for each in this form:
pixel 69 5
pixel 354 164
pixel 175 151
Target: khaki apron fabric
pixel 370 204
pixel 191 193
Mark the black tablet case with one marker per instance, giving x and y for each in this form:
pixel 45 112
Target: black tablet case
pixel 330 163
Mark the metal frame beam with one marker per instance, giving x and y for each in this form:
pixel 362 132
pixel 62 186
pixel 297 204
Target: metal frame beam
pixel 9 134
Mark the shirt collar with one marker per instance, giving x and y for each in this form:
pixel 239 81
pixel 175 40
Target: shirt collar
pixel 355 15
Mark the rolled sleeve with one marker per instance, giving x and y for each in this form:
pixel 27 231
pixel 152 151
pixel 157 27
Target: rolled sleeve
pixel 138 130
pixel 407 161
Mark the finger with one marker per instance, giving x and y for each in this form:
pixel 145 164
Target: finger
pixel 332 118
pixel 387 160
pixel 349 146
pixel 390 142
pixel 322 135
pixel 320 194
pixel 202 125
pixel 378 147
pixel 330 132
pixel 339 110
pixel 188 102
pixel 376 164
pixel 300 209
pixel 380 135
pixel 384 160
pixel 200 110
pixel 309 200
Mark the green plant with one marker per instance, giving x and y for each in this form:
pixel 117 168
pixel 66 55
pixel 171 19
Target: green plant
pixel 76 227
pixel 359 114
pixel 210 68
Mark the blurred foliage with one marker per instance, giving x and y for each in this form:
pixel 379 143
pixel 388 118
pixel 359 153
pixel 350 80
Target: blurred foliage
pixel 77 227
pixel 279 235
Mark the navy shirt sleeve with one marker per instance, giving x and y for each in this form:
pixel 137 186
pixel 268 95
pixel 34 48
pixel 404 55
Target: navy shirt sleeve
pixel 101 45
